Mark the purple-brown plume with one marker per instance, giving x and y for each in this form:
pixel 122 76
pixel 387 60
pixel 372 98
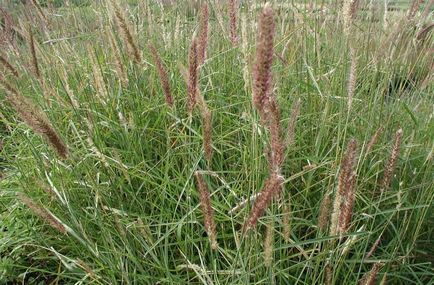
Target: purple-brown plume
pixel 262 79
pixel 272 187
pixel 232 7
pixel 203 34
pixel 207 210
pixel 162 74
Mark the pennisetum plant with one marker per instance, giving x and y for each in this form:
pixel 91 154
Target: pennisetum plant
pixel 351 85
pixel 344 191
pixel 162 74
pixel 427 10
pixel 373 140
pixel 35 119
pixel 268 109
pixel 347 206
pixel 207 210
pixel 349 10
pixel 125 31
pixel 272 186
pixel 119 65
pixel 192 84
pixel 207 133
pixel 232 7
pixel 413 9
pixel 268 244
pixel 42 213
pixel 390 166
pixel 373 247
pixel 97 76
pixel 262 78
pixel 195 98
pixel 203 34
pixel 8 65
pixel 286 220
pixel 290 133
pixel 371 276
pixel 324 213
pixel 33 53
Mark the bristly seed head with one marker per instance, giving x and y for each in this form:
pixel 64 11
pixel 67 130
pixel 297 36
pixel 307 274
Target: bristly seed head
pixel 262 79
pixel 207 210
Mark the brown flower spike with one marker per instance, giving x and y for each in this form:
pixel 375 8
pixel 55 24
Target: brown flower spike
pixel 42 213
pixel 35 119
pixel 390 166
pixel 207 210
pixel 162 74
pixel 345 184
pixel 203 34
pixel 272 186
pixel 262 79
pixel 232 7
pixel 126 33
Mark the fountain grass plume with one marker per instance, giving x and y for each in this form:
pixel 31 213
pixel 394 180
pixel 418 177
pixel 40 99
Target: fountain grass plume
pixel 232 8
pixel 262 78
pixel 203 34
pixel 345 183
pixel 162 74
pixel 207 210
pixel 8 65
pixel 42 213
pixel 391 164
pixel 35 119
pixel 272 187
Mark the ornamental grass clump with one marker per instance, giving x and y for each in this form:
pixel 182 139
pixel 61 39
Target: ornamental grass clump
pixel 268 109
